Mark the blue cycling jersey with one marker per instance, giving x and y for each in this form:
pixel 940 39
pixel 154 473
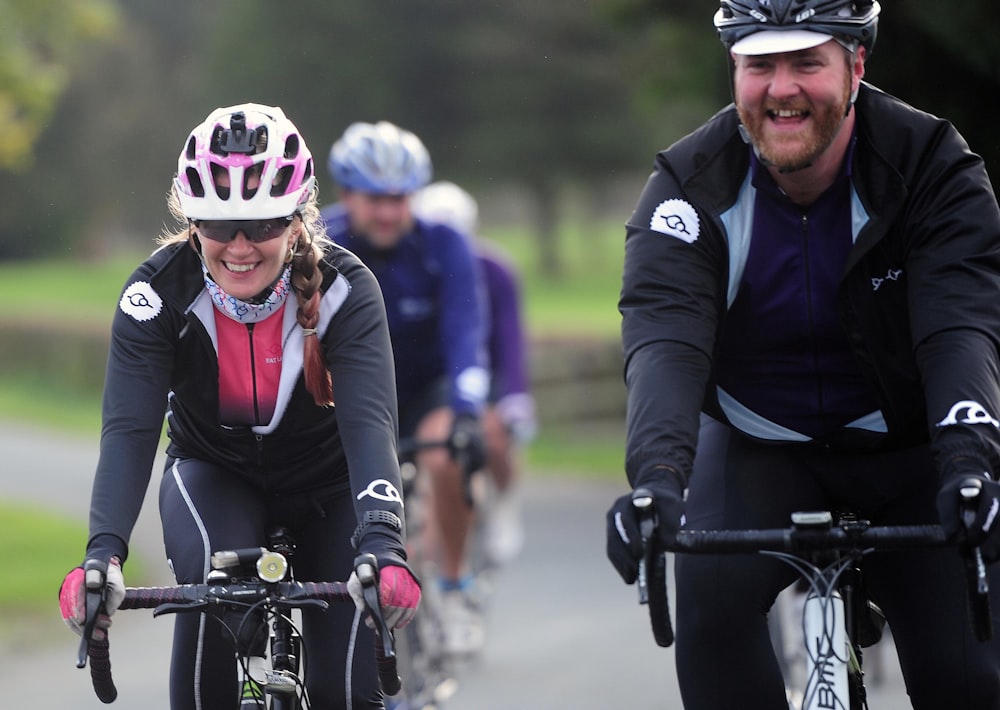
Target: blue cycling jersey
pixel 434 305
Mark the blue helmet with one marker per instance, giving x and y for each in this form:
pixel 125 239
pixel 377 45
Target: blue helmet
pixel 379 158
pixel 788 25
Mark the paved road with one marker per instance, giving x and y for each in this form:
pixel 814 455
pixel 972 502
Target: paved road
pixel 564 632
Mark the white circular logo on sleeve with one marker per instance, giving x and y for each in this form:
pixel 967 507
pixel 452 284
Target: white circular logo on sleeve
pixel 676 218
pixel 141 302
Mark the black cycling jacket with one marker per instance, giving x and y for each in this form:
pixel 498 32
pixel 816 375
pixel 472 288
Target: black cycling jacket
pixel 162 346
pixel 919 299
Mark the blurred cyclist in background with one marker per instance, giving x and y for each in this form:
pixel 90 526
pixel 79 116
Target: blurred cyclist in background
pixel 509 419
pixel 433 299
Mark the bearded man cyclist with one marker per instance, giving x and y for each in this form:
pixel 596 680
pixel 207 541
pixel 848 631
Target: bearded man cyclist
pixel 810 321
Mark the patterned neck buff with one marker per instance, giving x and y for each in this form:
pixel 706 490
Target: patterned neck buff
pixel 242 311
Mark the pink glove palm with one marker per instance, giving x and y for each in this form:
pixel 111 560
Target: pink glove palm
pixel 400 596
pixel 73 599
pixel 398 593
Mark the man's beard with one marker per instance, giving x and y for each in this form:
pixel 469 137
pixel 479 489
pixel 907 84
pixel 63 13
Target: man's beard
pixel 810 142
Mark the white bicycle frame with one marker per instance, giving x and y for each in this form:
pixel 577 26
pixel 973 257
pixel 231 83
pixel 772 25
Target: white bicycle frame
pixel 829 655
pixel 827 651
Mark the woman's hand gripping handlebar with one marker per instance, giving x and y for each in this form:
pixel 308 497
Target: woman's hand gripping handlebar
pixel 366 569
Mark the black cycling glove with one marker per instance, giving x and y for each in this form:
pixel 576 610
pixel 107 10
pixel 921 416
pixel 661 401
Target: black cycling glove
pixel 977 524
pixel 624 542
pixel 466 443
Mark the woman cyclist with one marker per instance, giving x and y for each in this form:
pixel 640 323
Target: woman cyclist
pixel 267 348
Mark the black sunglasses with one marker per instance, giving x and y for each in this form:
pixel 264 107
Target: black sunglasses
pixel 256 230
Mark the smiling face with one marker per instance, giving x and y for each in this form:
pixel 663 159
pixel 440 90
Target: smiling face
pixel 243 268
pixel 793 105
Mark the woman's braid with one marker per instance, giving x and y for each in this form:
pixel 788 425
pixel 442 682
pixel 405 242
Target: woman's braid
pixel 306 280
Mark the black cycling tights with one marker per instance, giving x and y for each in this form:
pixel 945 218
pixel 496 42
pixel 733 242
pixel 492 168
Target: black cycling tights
pixel 203 509
pixel 724 653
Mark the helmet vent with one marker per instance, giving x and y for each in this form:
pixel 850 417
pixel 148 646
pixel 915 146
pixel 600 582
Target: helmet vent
pixel 221 190
pixel 191 148
pixel 253 173
pixel 281 180
pixel 194 180
pixel 291 147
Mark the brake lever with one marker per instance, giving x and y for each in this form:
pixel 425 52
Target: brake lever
pixel 366 567
pixel 652 577
pixel 642 501
pixel 95 575
pixel 977 578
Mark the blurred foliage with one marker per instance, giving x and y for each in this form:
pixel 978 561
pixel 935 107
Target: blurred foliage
pixel 551 98
pixel 39 42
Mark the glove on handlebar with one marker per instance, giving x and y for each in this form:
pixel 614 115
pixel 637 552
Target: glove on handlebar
pixel 624 541
pixel 73 599
pixel 977 525
pixel 466 443
pixel 399 595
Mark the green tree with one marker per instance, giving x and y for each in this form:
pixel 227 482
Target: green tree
pixel 39 40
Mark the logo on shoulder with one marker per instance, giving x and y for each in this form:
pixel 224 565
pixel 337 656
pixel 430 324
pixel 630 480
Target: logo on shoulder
pixel 968 412
pixel 676 218
pixel 141 302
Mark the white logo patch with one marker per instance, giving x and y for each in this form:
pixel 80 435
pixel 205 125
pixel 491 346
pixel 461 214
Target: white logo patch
pixel 141 302
pixel 975 413
pixel 382 490
pixel 676 218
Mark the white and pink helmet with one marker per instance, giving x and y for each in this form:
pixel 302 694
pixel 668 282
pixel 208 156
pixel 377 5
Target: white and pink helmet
pixel 228 144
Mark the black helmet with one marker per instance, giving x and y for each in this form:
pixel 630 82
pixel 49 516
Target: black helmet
pixel 851 22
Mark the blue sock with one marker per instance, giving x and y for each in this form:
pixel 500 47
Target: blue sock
pixel 455 585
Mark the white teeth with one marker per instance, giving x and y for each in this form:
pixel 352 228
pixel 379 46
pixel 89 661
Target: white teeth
pixel 240 268
pixel 786 113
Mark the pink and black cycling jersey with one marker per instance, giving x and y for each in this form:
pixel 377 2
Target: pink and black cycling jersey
pixel 172 353
pixel 250 368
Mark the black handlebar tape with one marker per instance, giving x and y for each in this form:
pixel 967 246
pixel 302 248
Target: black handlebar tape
pixel 388 673
pixel 100 670
pixel 659 606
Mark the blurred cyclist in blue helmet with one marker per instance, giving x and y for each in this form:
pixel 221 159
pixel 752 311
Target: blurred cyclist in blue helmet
pixel 436 312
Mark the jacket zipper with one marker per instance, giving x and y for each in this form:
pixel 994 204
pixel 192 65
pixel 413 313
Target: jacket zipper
pixel 253 375
pixel 811 315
